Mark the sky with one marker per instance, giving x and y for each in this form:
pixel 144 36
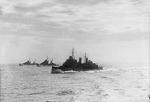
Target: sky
pixel 112 32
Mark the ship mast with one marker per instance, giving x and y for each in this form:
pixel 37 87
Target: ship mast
pixel 73 53
pixel 85 57
pixel 29 60
pixel 52 60
pixel 47 58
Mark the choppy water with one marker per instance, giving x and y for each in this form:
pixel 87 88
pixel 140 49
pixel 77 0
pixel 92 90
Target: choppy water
pixel 36 84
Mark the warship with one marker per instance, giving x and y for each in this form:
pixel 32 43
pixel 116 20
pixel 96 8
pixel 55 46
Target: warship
pixel 71 64
pixel 46 63
pixel 28 62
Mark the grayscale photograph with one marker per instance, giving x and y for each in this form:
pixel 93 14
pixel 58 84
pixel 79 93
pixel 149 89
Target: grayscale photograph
pixel 74 51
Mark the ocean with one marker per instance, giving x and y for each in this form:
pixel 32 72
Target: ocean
pixel 37 84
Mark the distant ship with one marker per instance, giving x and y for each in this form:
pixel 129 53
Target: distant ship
pixel 46 63
pixel 28 62
pixel 71 64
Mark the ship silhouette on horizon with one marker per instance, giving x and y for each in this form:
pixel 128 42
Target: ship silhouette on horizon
pixel 71 64
pixel 28 62
pixel 46 62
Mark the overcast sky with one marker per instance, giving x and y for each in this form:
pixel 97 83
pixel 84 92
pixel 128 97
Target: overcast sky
pixel 110 31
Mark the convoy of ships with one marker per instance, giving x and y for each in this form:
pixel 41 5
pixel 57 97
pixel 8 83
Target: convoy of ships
pixel 71 64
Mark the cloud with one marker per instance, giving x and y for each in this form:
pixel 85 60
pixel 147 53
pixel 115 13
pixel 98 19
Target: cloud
pixel 45 24
pixel 105 18
pixel 1 11
pixel 26 2
pixel 22 8
pixel 81 2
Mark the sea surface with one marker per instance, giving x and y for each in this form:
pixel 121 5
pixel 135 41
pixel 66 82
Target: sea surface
pixel 37 84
